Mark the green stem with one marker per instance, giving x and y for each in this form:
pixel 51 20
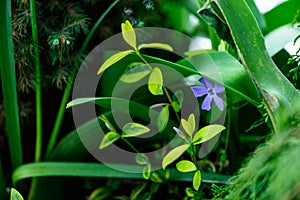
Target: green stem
pixel 164 88
pixel 68 89
pixel 9 84
pixel 129 144
pixel 38 89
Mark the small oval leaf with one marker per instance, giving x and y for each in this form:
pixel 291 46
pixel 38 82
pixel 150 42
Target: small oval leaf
pixel 177 100
pixel 156 45
pixel 113 59
pixel 174 154
pixel 189 126
pixel 197 180
pixel 155 82
pixel 129 34
pixel 134 129
pixel 15 195
pixel 141 159
pixel 147 171
pixel 207 132
pixel 108 139
pixel 163 118
pixel 136 73
pixel 186 166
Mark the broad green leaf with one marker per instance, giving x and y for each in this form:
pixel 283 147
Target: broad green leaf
pixel 80 169
pixel 163 118
pixel 15 195
pixel 129 34
pixel 136 73
pixel 141 159
pixel 147 171
pixel 155 82
pixel 174 154
pixel 197 180
pixel 134 129
pixel 286 34
pixel 156 45
pixel 282 14
pixel 186 166
pixel 207 132
pixel 108 139
pixel 281 102
pixel 113 59
pixel 189 125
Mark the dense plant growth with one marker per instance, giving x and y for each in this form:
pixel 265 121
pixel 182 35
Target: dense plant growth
pixel 219 121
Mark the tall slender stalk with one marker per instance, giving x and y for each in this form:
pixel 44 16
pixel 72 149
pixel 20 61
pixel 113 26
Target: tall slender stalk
pixel 68 89
pixel 9 84
pixel 38 90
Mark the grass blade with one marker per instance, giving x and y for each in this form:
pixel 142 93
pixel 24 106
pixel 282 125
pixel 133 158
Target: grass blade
pixel 9 84
pixel 38 89
pixel 75 169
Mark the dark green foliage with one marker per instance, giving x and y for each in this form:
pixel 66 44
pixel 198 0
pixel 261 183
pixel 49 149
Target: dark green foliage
pixel 272 171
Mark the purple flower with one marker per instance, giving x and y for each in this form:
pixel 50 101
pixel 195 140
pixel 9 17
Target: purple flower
pixel 211 92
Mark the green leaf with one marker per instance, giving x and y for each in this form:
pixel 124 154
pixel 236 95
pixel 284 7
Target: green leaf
pixel 129 34
pixel 100 193
pixel 107 123
pixel 177 100
pixel 186 166
pixel 207 132
pixel 197 180
pixel 135 73
pixel 141 159
pixel 15 195
pixel 80 169
pixel 134 129
pixel 189 126
pixel 155 82
pixel 286 34
pixel 174 154
pixel 281 102
pixel 147 171
pixel 156 45
pixel 108 139
pixel 113 59
pixel 163 118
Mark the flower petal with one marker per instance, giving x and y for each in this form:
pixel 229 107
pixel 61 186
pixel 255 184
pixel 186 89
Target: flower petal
pixel 206 105
pixel 206 82
pixel 219 88
pixel 219 102
pixel 199 91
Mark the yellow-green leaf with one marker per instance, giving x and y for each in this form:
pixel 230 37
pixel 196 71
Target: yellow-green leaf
pixel 174 154
pixel 186 166
pixel 155 82
pixel 136 73
pixel 134 129
pixel 156 45
pixel 189 125
pixel 177 100
pixel 147 171
pixel 207 132
pixel 163 118
pixel 129 34
pixel 15 195
pixel 141 159
pixel 113 59
pixel 108 139
pixel 197 180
